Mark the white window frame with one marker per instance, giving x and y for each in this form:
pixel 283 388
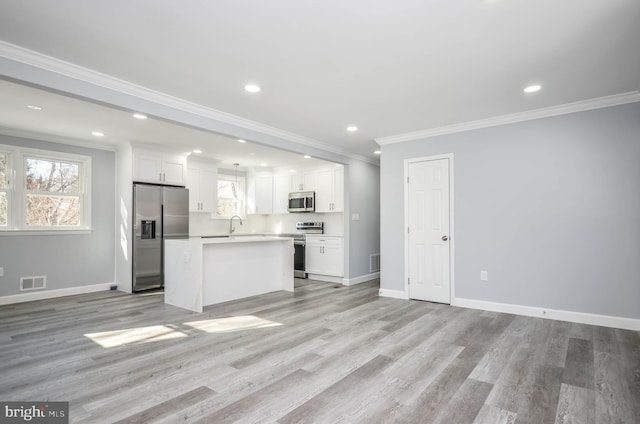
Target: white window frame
pixel 17 191
pixel 242 190
pixel 9 184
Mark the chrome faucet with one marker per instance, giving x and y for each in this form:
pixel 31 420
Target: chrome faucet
pixel 231 229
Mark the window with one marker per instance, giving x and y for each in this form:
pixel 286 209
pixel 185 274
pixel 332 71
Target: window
pixel 231 196
pixel 50 191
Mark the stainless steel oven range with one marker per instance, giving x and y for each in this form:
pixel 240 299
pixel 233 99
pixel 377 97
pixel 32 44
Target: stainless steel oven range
pixel 299 243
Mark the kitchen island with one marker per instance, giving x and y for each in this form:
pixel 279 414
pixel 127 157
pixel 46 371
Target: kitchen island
pixel 204 271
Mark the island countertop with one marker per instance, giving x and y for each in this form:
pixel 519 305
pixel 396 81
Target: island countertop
pixel 241 238
pixel 205 271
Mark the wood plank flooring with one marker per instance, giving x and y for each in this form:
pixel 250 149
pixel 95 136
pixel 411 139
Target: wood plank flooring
pixel 323 354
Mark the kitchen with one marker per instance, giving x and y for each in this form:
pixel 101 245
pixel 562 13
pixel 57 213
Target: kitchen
pixel 112 160
pixel 230 209
pixel 260 198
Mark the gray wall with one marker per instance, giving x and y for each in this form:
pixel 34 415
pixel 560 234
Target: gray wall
pixel 67 260
pixel 549 207
pixel 362 188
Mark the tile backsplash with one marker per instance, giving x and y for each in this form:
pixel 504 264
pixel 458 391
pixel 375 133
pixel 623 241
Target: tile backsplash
pixel 201 224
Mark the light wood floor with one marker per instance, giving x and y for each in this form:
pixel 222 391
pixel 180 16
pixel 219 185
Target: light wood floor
pixel 324 354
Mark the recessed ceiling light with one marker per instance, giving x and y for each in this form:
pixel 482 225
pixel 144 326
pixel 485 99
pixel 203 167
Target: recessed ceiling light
pixel 34 107
pixel 532 88
pixel 241 140
pixel 307 157
pixel 377 152
pixel 197 151
pixel 263 164
pixel 140 116
pixel 97 133
pixel 252 88
pixel 352 128
pixel 252 154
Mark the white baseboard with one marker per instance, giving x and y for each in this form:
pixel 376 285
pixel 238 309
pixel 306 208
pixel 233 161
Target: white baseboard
pixel 360 279
pixel 396 294
pixel 326 278
pixel 50 294
pixel 532 311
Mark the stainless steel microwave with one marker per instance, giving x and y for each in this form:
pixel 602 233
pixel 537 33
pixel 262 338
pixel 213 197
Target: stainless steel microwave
pixel 302 201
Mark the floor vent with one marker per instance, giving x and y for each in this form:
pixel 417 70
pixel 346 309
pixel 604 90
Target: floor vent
pixel 33 283
pixel 374 262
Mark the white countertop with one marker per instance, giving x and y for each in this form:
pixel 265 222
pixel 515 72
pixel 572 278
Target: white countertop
pixel 243 239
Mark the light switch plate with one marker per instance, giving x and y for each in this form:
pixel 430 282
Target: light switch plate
pixel 1 271
pixel 484 276
pixel 355 216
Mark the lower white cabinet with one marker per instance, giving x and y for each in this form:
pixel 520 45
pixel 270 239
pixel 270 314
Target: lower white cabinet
pixel 325 255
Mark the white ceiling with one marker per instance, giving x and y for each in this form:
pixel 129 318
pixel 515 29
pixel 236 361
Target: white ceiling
pixel 68 120
pixel 389 67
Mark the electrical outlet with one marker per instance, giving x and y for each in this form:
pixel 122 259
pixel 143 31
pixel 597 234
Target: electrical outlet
pixel 484 276
pixel 1 271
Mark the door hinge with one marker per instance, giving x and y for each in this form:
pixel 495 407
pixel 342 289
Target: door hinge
pixel 408 281
pixel 408 230
pixel 407 180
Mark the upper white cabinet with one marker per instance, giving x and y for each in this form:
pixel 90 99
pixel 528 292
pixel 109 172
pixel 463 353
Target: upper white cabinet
pixel 296 182
pixel 304 180
pixel 159 167
pixel 260 192
pixel 329 188
pixel 281 190
pixel 202 182
pixel 327 182
pixel 338 189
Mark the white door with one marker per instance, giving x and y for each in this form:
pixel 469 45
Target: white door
pixel 429 255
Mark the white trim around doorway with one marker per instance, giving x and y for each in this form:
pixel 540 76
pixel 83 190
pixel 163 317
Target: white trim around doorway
pixel 452 238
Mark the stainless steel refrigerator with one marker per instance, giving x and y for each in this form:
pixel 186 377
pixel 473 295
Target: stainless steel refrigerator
pixel 159 213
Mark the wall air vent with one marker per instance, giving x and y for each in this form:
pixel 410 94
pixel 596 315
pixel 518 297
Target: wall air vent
pixel 33 283
pixel 374 262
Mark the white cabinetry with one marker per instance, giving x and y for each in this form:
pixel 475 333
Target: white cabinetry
pixel 326 182
pixel 338 189
pixel 281 190
pixel 260 188
pixel 304 180
pixel 324 256
pixel 202 182
pixel 159 167
pixel 297 182
pixel 329 188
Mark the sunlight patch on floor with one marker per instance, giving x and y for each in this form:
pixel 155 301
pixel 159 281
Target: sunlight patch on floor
pixel 130 336
pixel 229 324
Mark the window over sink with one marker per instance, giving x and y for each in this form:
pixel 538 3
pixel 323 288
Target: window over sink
pixel 231 196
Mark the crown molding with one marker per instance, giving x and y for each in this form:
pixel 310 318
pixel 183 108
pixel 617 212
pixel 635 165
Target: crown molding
pixel 57 66
pixel 581 106
pixel 52 138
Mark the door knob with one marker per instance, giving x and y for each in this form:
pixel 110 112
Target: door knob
pixel 445 238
